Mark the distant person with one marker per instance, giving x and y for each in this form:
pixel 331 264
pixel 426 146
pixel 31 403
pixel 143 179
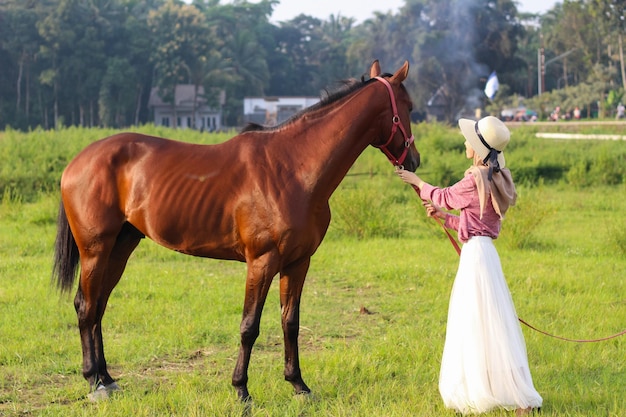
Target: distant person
pixel 576 113
pixel 554 116
pixel 620 111
pixel 484 364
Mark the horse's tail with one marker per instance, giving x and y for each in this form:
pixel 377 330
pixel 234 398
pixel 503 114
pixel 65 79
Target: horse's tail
pixel 66 254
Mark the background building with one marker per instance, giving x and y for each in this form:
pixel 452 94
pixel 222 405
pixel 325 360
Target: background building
pixel 271 111
pixel 189 110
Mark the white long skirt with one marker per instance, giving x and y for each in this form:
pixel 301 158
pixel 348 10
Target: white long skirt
pixel 484 364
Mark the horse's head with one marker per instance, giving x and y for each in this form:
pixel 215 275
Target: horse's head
pixel 398 144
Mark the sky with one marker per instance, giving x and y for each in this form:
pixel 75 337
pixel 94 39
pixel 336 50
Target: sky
pixel 364 9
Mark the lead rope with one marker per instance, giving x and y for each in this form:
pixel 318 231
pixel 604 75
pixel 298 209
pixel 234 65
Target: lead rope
pixel 458 251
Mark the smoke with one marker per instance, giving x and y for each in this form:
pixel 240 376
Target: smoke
pixel 444 37
pixel 466 17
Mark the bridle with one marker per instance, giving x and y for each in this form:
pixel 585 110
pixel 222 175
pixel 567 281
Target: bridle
pixel 395 120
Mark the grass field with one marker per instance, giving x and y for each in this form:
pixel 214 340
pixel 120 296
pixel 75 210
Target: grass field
pixel 171 328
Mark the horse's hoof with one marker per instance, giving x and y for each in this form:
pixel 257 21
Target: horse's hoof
pixel 103 392
pixel 304 395
pixel 243 395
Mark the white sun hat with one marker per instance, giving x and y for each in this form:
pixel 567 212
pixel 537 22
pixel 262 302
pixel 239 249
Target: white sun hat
pixel 488 134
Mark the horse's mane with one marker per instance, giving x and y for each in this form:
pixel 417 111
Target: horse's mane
pixel 328 97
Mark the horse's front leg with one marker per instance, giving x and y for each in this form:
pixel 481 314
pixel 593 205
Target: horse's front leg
pixel 261 271
pixel 291 283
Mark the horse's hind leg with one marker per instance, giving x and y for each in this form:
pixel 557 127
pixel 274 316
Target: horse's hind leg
pixel 101 270
pixel 261 271
pixel 291 284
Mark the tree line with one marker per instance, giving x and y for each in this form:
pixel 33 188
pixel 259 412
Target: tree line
pixel 94 62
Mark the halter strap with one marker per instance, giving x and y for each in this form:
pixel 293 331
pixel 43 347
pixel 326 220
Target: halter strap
pixel 394 128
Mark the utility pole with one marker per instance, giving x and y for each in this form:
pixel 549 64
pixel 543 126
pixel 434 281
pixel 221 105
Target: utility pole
pixel 541 68
pixel 542 64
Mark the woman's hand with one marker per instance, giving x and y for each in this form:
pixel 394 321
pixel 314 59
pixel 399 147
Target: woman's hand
pixel 434 211
pixel 410 178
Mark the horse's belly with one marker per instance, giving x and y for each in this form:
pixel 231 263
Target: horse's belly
pixel 199 244
pixel 208 234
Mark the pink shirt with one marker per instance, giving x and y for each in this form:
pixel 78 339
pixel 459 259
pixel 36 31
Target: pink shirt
pixel 463 196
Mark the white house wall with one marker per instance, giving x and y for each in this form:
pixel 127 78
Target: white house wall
pixel 267 109
pixel 204 120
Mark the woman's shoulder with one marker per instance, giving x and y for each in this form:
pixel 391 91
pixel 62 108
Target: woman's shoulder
pixel 471 175
pixel 467 183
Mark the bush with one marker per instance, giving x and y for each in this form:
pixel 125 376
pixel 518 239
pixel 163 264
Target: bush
pixel 361 214
pixel 578 174
pixel 618 239
pixel 32 162
pixel 607 169
pixel 523 220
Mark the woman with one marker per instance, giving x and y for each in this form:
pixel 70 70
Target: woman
pixel 484 364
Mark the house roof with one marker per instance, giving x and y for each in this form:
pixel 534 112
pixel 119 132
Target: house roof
pixel 183 95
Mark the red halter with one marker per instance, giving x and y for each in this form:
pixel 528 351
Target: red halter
pixel 396 123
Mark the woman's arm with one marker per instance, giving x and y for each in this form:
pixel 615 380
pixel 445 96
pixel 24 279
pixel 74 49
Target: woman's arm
pixel 410 178
pixel 451 221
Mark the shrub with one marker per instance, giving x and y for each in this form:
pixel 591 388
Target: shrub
pixel 617 235
pixel 361 214
pixel 32 162
pixel 578 174
pixel 607 169
pixel 523 219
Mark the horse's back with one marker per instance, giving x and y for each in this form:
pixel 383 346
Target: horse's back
pixel 137 156
pixel 120 148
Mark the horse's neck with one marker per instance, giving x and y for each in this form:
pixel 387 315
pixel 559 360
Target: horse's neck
pixel 331 143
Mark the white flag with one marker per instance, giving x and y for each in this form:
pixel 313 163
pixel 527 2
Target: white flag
pixel 491 88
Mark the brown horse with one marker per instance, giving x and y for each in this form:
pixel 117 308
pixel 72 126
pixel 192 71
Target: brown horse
pixel 260 198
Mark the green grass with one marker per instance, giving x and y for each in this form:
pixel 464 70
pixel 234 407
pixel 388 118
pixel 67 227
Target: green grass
pixel 172 324
pixel 171 329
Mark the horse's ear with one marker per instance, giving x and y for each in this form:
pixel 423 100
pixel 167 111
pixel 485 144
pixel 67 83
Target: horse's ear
pixel 375 69
pixel 401 74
